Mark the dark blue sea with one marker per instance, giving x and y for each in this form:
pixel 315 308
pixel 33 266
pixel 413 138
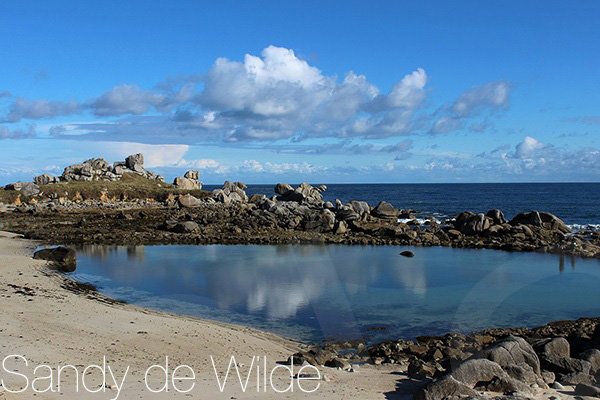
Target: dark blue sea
pixel 575 203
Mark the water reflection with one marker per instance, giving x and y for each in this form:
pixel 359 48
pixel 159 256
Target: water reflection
pixel 340 290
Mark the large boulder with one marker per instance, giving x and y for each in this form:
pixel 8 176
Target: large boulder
pixel 469 223
pixel 188 201
pixel 45 179
pixel 497 216
pixel 232 192
pixel 189 181
pixel 385 210
pixel 555 356
pixel 512 351
pixel 283 188
pixel 64 258
pixel 542 220
pixel 480 374
pixel 26 188
pixel 135 162
pixel 323 221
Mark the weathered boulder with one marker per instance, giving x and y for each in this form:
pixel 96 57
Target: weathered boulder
pixel 323 221
pixel 64 258
pixel 385 210
pixel 593 357
pixel 407 253
pixel 283 188
pixel 232 192
pixel 188 201
pixel 346 213
pixel 26 188
pixel 497 216
pixel 512 351
pixel 186 227
pixel 362 208
pixel 541 219
pixel 192 174
pixel 583 389
pixel 45 179
pixel 555 356
pixel 469 223
pixel 447 388
pixel 419 369
pixel 135 162
pixel 338 362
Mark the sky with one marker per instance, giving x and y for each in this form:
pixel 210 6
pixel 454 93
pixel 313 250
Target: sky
pixel 320 91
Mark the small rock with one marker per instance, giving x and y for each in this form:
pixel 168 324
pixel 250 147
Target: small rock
pixel 407 253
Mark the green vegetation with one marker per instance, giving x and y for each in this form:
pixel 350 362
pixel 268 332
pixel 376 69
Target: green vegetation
pixel 131 186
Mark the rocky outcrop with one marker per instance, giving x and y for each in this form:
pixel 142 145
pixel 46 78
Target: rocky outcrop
pixel 45 179
pixel 189 181
pixel 232 192
pixel 98 169
pixel 542 220
pixel 303 194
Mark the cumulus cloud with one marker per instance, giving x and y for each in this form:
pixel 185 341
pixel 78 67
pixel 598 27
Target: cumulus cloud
pixel 126 99
pixel 491 96
pixel 6 133
pixel 155 155
pixel 37 109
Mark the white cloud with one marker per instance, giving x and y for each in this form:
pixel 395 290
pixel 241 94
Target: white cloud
pixel 37 109
pixel 155 155
pixel 6 133
pixel 528 148
pixel 126 99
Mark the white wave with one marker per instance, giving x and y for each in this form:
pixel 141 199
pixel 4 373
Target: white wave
pixel 585 227
pixel 420 221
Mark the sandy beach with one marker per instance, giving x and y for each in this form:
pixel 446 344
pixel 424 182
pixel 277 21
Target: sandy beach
pixel 47 325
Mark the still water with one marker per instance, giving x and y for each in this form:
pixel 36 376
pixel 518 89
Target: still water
pixel 314 292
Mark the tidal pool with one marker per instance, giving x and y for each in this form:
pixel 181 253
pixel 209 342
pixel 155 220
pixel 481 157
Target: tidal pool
pixel 334 292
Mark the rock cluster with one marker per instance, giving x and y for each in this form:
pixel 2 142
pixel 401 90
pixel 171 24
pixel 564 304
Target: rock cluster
pixel 98 169
pixel 189 181
pixel 516 360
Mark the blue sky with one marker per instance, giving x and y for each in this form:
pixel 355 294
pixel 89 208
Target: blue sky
pixel 319 91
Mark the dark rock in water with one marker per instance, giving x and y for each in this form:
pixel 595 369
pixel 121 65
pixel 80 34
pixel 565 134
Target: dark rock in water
pixel 385 210
pixel 497 216
pixel 64 258
pixel 407 253
pixel 541 219
pixel 583 389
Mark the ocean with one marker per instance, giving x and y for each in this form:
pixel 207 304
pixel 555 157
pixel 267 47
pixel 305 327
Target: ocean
pixel 576 203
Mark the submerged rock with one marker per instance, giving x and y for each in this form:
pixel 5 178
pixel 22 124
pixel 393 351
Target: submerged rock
pixel 64 258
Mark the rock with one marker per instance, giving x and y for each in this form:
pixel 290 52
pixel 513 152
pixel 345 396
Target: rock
pixel 497 217
pixel 338 362
pixel 135 162
pixel 583 389
pixel 555 356
pixel 295 359
pixel 232 192
pixel 192 174
pixel 340 228
pixel 362 208
pixel 346 213
pixel 26 188
pixel 64 258
pixel 407 253
pixel 188 201
pixel 512 351
pixel 557 386
pixel 447 388
pixel 472 224
pixel 184 183
pixel 419 369
pixel 385 210
pixel 186 227
pixel 541 219
pixel 283 188
pixel 320 222
pixel 593 357
pixel 576 378
pixel 45 179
